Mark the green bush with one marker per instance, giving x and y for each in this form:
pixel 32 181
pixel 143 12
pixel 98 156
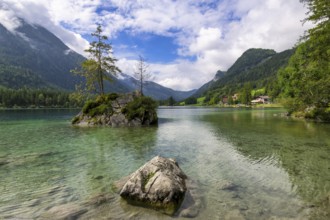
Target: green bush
pixel 106 98
pixel 316 113
pixel 90 104
pixel 99 106
pixel 191 101
pixel 140 107
pixel 322 114
pixel 100 110
pixel 75 119
pixel 112 97
pixel 292 105
pixel 143 107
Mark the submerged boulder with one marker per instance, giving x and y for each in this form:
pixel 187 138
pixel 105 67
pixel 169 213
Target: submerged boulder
pixel 159 184
pixel 3 162
pixel 65 211
pixel 117 110
pixel 193 200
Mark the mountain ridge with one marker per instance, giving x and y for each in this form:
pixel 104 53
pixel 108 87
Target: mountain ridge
pixel 34 57
pixel 256 65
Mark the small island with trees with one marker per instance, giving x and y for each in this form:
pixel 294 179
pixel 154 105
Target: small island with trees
pixel 111 109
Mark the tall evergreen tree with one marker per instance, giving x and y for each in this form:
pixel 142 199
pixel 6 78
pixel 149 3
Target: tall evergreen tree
pixel 171 101
pixel 100 65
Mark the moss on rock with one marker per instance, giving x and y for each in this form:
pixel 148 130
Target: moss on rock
pixel 159 184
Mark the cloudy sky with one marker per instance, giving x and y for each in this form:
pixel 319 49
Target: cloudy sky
pixel 184 41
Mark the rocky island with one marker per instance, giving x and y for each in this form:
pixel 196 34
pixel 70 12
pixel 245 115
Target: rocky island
pixel 117 110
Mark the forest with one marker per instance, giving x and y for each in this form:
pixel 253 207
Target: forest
pixel 37 98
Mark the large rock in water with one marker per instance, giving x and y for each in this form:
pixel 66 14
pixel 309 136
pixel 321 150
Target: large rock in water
pixel 159 184
pixel 118 110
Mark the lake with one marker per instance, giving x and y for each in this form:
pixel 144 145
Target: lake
pixel 277 167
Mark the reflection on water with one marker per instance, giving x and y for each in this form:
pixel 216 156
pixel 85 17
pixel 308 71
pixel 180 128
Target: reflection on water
pixel 248 164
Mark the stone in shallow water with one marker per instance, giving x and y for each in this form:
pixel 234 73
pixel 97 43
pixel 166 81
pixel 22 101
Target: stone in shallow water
pixel 99 199
pixel 234 215
pixel 98 177
pixel 66 211
pixel 159 184
pixel 226 185
pixel 193 201
pixel 3 162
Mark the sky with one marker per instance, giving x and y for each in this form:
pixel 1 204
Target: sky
pixel 184 42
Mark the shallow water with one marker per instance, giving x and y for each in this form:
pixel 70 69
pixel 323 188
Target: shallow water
pixel 278 168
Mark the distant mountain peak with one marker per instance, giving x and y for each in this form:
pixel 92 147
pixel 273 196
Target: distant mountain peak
pixel 220 74
pixel 254 50
pixel 253 65
pixel 250 58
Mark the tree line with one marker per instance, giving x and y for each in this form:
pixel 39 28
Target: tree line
pixel 36 98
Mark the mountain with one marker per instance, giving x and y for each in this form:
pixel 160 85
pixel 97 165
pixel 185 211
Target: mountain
pixel 257 66
pixel 249 59
pixel 219 75
pixel 33 53
pixel 153 89
pixel 33 57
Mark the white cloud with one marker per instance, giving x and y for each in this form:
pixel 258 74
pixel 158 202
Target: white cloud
pixel 215 35
pixel 8 19
pixel 180 75
pixel 207 39
pixel 46 14
pixel 273 24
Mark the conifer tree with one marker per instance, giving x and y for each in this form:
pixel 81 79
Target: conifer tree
pixel 100 65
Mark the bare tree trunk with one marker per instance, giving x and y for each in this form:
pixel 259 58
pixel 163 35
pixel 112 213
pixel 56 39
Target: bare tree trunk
pixel 141 73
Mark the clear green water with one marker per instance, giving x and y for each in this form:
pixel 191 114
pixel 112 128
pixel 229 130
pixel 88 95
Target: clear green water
pixel 280 167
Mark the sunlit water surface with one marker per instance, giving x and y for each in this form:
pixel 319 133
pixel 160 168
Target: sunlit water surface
pixel 279 168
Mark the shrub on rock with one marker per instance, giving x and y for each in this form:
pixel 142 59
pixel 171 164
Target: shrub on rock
pixel 118 110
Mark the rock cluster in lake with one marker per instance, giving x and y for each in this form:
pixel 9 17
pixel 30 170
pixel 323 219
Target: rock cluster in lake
pixel 159 184
pixel 118 110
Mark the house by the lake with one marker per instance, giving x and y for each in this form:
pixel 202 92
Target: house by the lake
pixel 261 100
